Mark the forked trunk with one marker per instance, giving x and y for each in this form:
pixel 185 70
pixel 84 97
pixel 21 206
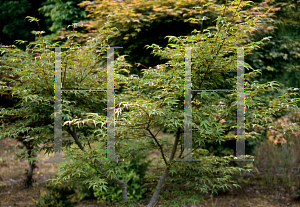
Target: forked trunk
pixel 162 179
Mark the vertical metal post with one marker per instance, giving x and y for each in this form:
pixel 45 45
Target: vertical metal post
pixel 110 106
pixel 240 142
pixel 188 107
pixel 58 106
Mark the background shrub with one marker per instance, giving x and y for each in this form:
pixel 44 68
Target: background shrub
pixel 63 195
pixel 277 158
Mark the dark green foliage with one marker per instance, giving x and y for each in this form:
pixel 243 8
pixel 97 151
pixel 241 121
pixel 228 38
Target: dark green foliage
pixel 135 171
pixel 278 59
pixel 62 13
pixel 63 195
pixel 85 192
pixel 13 24
pixel 59 195
pixel 229 147
pixel 134 46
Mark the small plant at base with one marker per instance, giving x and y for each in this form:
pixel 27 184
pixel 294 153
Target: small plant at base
pixel 135 171
pixel 59 196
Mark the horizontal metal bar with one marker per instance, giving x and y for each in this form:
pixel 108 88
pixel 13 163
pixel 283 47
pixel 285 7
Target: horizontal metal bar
pixel 98 90
pixel 213 90
pixel 248 160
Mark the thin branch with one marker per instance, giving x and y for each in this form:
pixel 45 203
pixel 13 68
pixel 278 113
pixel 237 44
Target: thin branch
pixel 89 72
pixel 158 131
pixel 224 9
pixel 89 144
pixel 174 146
pixel 189 152
pixel 161 149
pixel 74 135
pixel 65 74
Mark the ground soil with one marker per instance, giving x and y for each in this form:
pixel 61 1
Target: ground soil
pixel 13 192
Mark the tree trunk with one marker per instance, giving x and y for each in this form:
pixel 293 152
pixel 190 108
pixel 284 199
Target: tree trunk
pixel 162 179
pixel 123 185
pixel 28 181
pixel 160 183
pixel 29 147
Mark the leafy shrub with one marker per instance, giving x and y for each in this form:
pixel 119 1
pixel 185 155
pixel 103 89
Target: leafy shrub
pixel 59 195
pixel 84 192
pixel 63 195
pixel 135 171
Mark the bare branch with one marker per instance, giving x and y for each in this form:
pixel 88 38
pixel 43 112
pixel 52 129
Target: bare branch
pixel 161 149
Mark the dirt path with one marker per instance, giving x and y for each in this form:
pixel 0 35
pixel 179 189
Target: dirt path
pixel 14 193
